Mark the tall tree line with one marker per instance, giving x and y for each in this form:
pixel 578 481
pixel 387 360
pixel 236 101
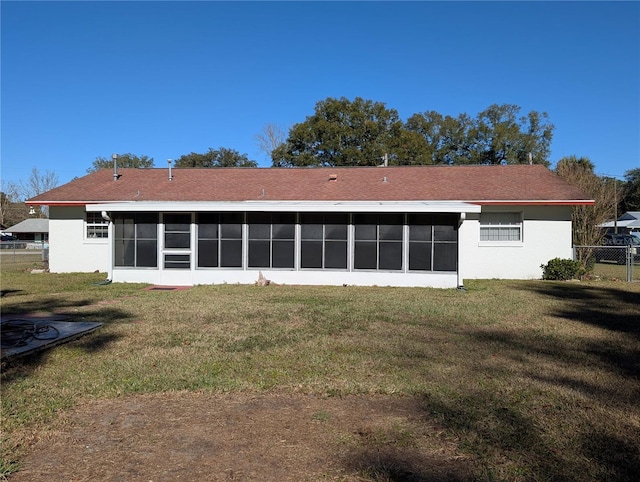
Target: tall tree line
pixel 362 133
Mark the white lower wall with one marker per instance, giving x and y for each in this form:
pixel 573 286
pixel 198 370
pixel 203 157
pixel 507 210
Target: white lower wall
pixel 69 249
pixel 328 278
pixel 546 235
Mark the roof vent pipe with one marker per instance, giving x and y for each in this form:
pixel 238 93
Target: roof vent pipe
pixel 169 161
pixel 115 166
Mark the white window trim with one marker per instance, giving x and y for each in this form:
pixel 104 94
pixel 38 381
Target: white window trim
pixel 103 224
pixel 505 243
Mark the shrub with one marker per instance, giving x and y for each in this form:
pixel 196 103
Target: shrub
pixel 562 269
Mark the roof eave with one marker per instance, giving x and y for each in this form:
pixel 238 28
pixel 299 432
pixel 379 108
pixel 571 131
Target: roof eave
pixel 297 206
pixel 536 202
pixel 69 203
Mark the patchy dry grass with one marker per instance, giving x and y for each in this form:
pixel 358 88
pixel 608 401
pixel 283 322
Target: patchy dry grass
pixel 615 272
pixel 537 380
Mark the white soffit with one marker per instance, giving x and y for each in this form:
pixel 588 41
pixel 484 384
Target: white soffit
pixel 290 206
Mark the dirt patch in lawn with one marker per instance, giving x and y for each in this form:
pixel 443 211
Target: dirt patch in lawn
pixel 273 437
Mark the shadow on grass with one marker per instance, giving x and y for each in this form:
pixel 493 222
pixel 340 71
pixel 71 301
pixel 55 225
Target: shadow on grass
pixel 20 367
pixel 44 305
pixel 508 442
pixel 500 436
pixel 605 307
pixel 501 429
pixel 608 308
pixel 394 466
pixel 598 357
pixel 6 292
pixel 619 461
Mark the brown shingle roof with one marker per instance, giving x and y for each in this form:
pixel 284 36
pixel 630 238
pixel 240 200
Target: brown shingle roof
pixel 415 183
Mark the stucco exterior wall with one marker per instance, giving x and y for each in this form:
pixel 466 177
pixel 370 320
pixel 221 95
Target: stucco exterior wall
pixel 546 234
pixel 290 277
pixel 69 249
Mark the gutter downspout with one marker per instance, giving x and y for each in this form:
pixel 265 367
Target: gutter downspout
pixel 461 220
pixel 110 234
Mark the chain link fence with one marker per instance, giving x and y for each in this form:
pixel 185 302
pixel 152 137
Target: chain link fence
pixel 24 252
pixel 607 262
pixel 610 262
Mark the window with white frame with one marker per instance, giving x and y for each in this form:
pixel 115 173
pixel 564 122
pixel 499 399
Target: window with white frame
pixel 97 226
pixel 501 227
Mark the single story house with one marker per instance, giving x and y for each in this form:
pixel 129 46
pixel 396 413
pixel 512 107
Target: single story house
pixel 34 231
pixel 430 226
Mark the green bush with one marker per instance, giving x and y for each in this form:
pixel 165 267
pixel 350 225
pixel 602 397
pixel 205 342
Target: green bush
pixel 561 269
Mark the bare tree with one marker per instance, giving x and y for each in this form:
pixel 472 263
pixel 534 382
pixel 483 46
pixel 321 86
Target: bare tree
pixel 271 137
pixel 9 197
pixel 38 183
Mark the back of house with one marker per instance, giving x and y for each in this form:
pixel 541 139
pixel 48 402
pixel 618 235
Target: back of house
pixel 401 226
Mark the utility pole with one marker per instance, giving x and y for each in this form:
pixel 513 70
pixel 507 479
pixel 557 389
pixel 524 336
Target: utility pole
pixel 615 205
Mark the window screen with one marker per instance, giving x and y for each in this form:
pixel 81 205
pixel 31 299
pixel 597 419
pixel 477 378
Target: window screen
pixel 323 243
pixel 433 242
pixel 136 240
pixel 271 240
pixel 378 241
pixel 505 226
pixel 219 240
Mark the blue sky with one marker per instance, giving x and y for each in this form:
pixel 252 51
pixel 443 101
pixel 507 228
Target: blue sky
pixel 87 79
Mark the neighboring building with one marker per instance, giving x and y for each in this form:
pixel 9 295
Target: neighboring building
pixel 626 224
pixel 33 231
pixel 400 226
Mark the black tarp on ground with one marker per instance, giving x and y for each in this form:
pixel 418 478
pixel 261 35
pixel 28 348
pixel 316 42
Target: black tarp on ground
pixel 21 335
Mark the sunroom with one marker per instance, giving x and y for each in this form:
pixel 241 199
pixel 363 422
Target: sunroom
pixel 324 243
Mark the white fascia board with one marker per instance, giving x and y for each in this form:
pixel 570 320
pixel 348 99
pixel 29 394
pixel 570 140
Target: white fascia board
pixel 535 202
pixel 288 206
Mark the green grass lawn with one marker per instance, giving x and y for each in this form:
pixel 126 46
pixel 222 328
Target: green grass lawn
pixel 537 380
pixel 613 271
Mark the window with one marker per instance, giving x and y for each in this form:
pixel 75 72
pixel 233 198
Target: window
pixel 219 240
pixel 271 240
pixel 501 227
pixel 378 241
pixel 136 240
pixel 177 240
pixel 323 242
pixel 97 226
pixel 433 242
